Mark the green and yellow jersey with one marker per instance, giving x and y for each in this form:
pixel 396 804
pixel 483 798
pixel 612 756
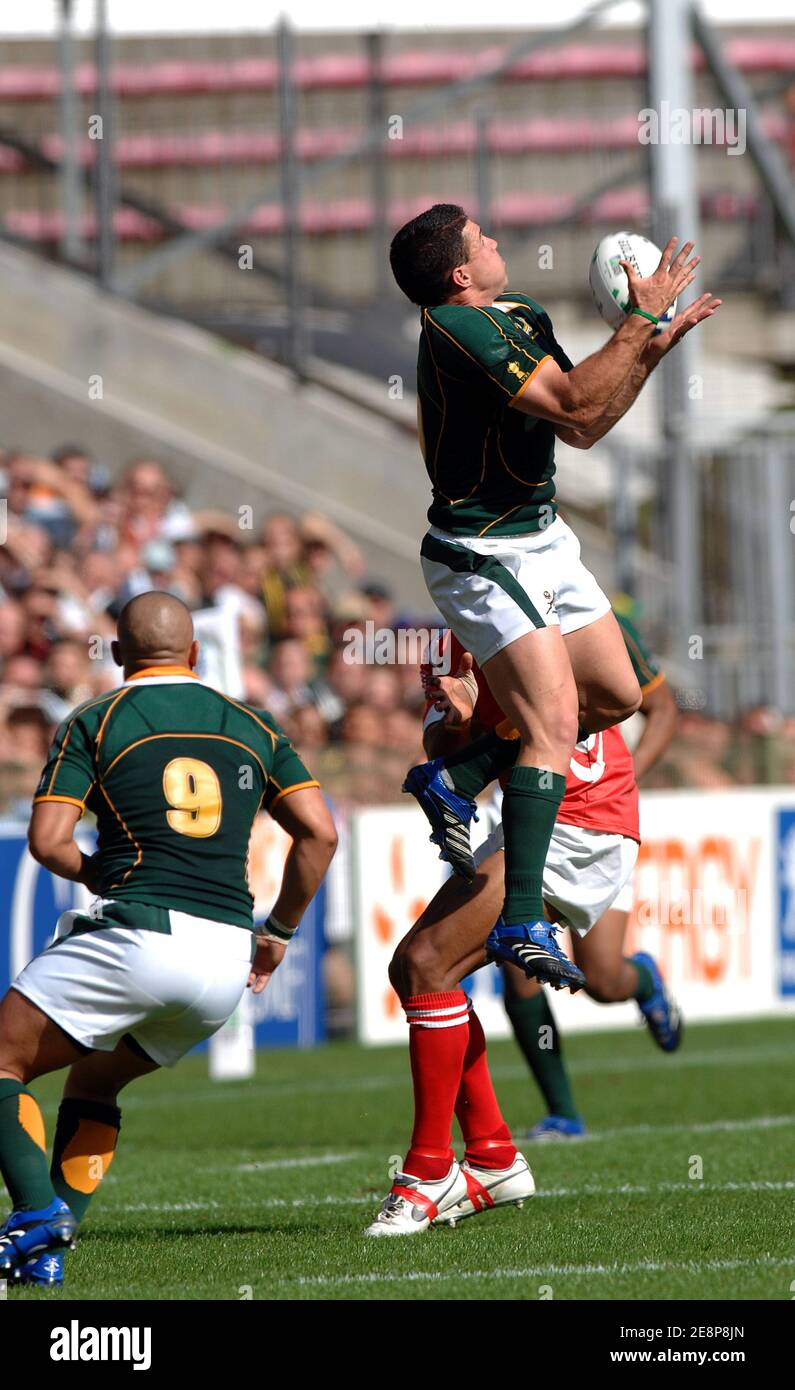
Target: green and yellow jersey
pixel 491 467
pixel 175 773
pixel 646 669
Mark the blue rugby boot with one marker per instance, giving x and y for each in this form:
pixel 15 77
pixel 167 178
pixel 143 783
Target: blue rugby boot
pixel 26 1234
pixel 532 946
pixel 45 1271
pixel 557 1127
pixel 448 814
pixel 660 1012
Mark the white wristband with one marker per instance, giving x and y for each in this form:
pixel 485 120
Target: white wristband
pixel 274 930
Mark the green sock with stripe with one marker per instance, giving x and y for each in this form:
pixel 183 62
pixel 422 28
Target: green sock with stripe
pixel 82 1152
pixel 473 768
pixel 529 808
pixel 23 1154
pixel 645 987
pixel 536 1032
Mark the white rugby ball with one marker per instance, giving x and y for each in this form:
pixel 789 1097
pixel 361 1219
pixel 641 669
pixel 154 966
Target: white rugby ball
pixel 608 281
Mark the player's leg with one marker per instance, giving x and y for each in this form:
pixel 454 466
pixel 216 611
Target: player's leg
pixel 607 687
pixel 31 1044
pixel 89 1121
pixel 445 944
pixel 612 977
pixel 536 1031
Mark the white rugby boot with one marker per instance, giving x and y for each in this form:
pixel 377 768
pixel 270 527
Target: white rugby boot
pixel 413 1203
pixel 487 1188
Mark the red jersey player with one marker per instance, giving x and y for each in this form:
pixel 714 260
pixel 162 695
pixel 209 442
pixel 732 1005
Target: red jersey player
pixel 592 854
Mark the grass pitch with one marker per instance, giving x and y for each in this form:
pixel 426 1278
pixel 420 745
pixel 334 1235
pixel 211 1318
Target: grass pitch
pixel 261 1189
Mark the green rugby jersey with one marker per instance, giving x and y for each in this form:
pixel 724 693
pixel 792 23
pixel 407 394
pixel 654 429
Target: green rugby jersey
pixel 175 773
pixel 491 466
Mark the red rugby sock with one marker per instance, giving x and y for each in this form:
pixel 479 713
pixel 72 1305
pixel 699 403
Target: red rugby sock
pixel 486 1135
pixel 438 1035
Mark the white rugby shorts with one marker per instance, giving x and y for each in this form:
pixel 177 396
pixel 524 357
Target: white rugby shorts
pixel 492 590
pixel 585 873
pixel 168 990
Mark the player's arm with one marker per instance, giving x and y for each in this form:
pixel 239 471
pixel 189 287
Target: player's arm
pixel 60 801
pixel 654 351
pixel 577 399
pixel 660 715
pixel 452 700
pixel 52 843
pixel 307 820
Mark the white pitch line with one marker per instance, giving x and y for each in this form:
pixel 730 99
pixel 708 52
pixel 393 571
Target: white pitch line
pixel 260 1089
pixel 303 1161
pixel 656 1061
pixel 553 1194
pixel 532 1272
pixel 681 1127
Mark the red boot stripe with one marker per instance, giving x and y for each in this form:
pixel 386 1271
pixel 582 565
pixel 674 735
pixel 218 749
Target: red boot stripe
pixel 476 1192
pixel 417 1199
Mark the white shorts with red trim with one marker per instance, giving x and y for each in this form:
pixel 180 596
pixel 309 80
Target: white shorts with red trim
pixel 585 872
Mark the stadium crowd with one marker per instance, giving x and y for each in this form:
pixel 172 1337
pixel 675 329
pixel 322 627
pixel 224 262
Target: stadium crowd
pixel 78 545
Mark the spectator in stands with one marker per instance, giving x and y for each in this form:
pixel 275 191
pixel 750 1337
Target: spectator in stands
pixel 68 671
pixel 291 670
pixel 42 493
pixel 285 567
pixel 12 630
pixel 146 502
pixel 305 619
pixel 307 728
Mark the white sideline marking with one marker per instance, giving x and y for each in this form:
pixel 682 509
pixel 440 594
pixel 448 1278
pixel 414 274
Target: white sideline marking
pixel 533 1272
pixel 552 1193
pixel 305 1161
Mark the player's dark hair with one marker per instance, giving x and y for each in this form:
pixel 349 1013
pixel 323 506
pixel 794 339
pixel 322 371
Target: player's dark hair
pixel 425 252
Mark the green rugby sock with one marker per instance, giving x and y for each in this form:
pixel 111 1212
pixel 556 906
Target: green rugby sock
pixel 85 1142
pixel 473 768
pixel 23 1154
pixel 536 1032
pixel 645 986
pixel 529 807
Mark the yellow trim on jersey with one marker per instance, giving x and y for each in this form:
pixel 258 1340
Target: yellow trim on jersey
pixel 653 683
pixel 477 363
pixel 498 519
pixel 72 800
pixel 245 710
pixel 548 358
pixel 129 835
pixel 106 716
pixel 285 791
pixel 185 733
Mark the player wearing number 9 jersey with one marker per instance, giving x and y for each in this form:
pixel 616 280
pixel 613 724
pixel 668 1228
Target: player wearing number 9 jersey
pixel 175 773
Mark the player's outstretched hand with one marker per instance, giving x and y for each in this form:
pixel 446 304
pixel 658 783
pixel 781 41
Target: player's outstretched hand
pixel 268 955
pixel 452 695
pixel 655 292
pixel 702 308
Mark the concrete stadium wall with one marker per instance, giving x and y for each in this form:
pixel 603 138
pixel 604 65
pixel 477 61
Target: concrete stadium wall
pixel 231 429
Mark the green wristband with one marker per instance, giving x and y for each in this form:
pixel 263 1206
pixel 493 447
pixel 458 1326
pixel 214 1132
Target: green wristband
pixel 643 314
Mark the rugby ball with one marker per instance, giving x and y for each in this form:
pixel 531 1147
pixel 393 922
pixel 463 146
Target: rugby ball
pixel 608 281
